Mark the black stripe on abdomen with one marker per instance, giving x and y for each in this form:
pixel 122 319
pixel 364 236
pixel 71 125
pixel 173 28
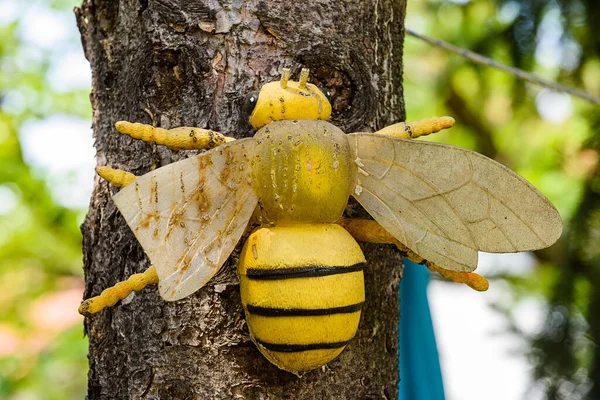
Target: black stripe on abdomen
pixel 294 348
pixel 302 312
pixel 300 272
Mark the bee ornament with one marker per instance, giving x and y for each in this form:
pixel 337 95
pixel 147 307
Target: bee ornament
pixel 301 268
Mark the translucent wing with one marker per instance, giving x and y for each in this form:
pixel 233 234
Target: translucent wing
pixel 445 203
pixel 188 216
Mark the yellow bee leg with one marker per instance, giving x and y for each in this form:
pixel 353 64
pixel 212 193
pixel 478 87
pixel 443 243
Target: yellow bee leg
pixel 184 138
pixel 471 279
pixel 120 178
pixel 109 297
pixel 412 130
pixel 366 230
pixel 116 177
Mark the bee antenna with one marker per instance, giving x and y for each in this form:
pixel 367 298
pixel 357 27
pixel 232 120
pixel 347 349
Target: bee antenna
pixel 303 78
pixel 285 77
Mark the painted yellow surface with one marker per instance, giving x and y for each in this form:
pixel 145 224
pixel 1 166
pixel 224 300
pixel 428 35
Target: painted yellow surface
pixel 292 102
pixel 302 172
pixel 110 296
pixel 332 291
pixel 183 138
pixel 471 279
pixel 116 177
pixel 415 129
pixel 298 246
pixel 303 361
pixel 304 330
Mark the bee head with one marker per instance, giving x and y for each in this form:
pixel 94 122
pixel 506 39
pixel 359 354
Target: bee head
pixel 287 100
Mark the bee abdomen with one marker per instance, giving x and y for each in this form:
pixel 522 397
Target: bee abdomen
pixel 301 314
pixel 290 330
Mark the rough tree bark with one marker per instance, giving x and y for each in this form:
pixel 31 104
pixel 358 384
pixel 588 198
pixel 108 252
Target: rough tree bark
pixel 190 63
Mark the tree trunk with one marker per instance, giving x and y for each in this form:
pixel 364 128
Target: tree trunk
pixel 190 63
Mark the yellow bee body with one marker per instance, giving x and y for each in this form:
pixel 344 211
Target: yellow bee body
pixel 302 290
pixel 302 172
pixel 300 271
pixel 301 276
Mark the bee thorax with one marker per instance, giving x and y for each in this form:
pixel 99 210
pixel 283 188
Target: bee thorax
pixel 302 171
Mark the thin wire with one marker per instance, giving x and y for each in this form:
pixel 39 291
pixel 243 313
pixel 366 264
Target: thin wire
pixel 479 59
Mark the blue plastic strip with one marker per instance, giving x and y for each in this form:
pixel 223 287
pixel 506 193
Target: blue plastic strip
pixel 420 373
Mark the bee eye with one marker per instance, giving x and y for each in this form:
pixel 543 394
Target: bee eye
pixel 250 103
pixel 326 92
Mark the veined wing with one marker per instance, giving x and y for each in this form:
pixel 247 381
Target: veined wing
pixel 446 203
pixel 188 216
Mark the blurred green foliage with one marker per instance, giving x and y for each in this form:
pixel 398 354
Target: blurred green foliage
pixel 549 138
pixel 42 348
pixel 552 140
